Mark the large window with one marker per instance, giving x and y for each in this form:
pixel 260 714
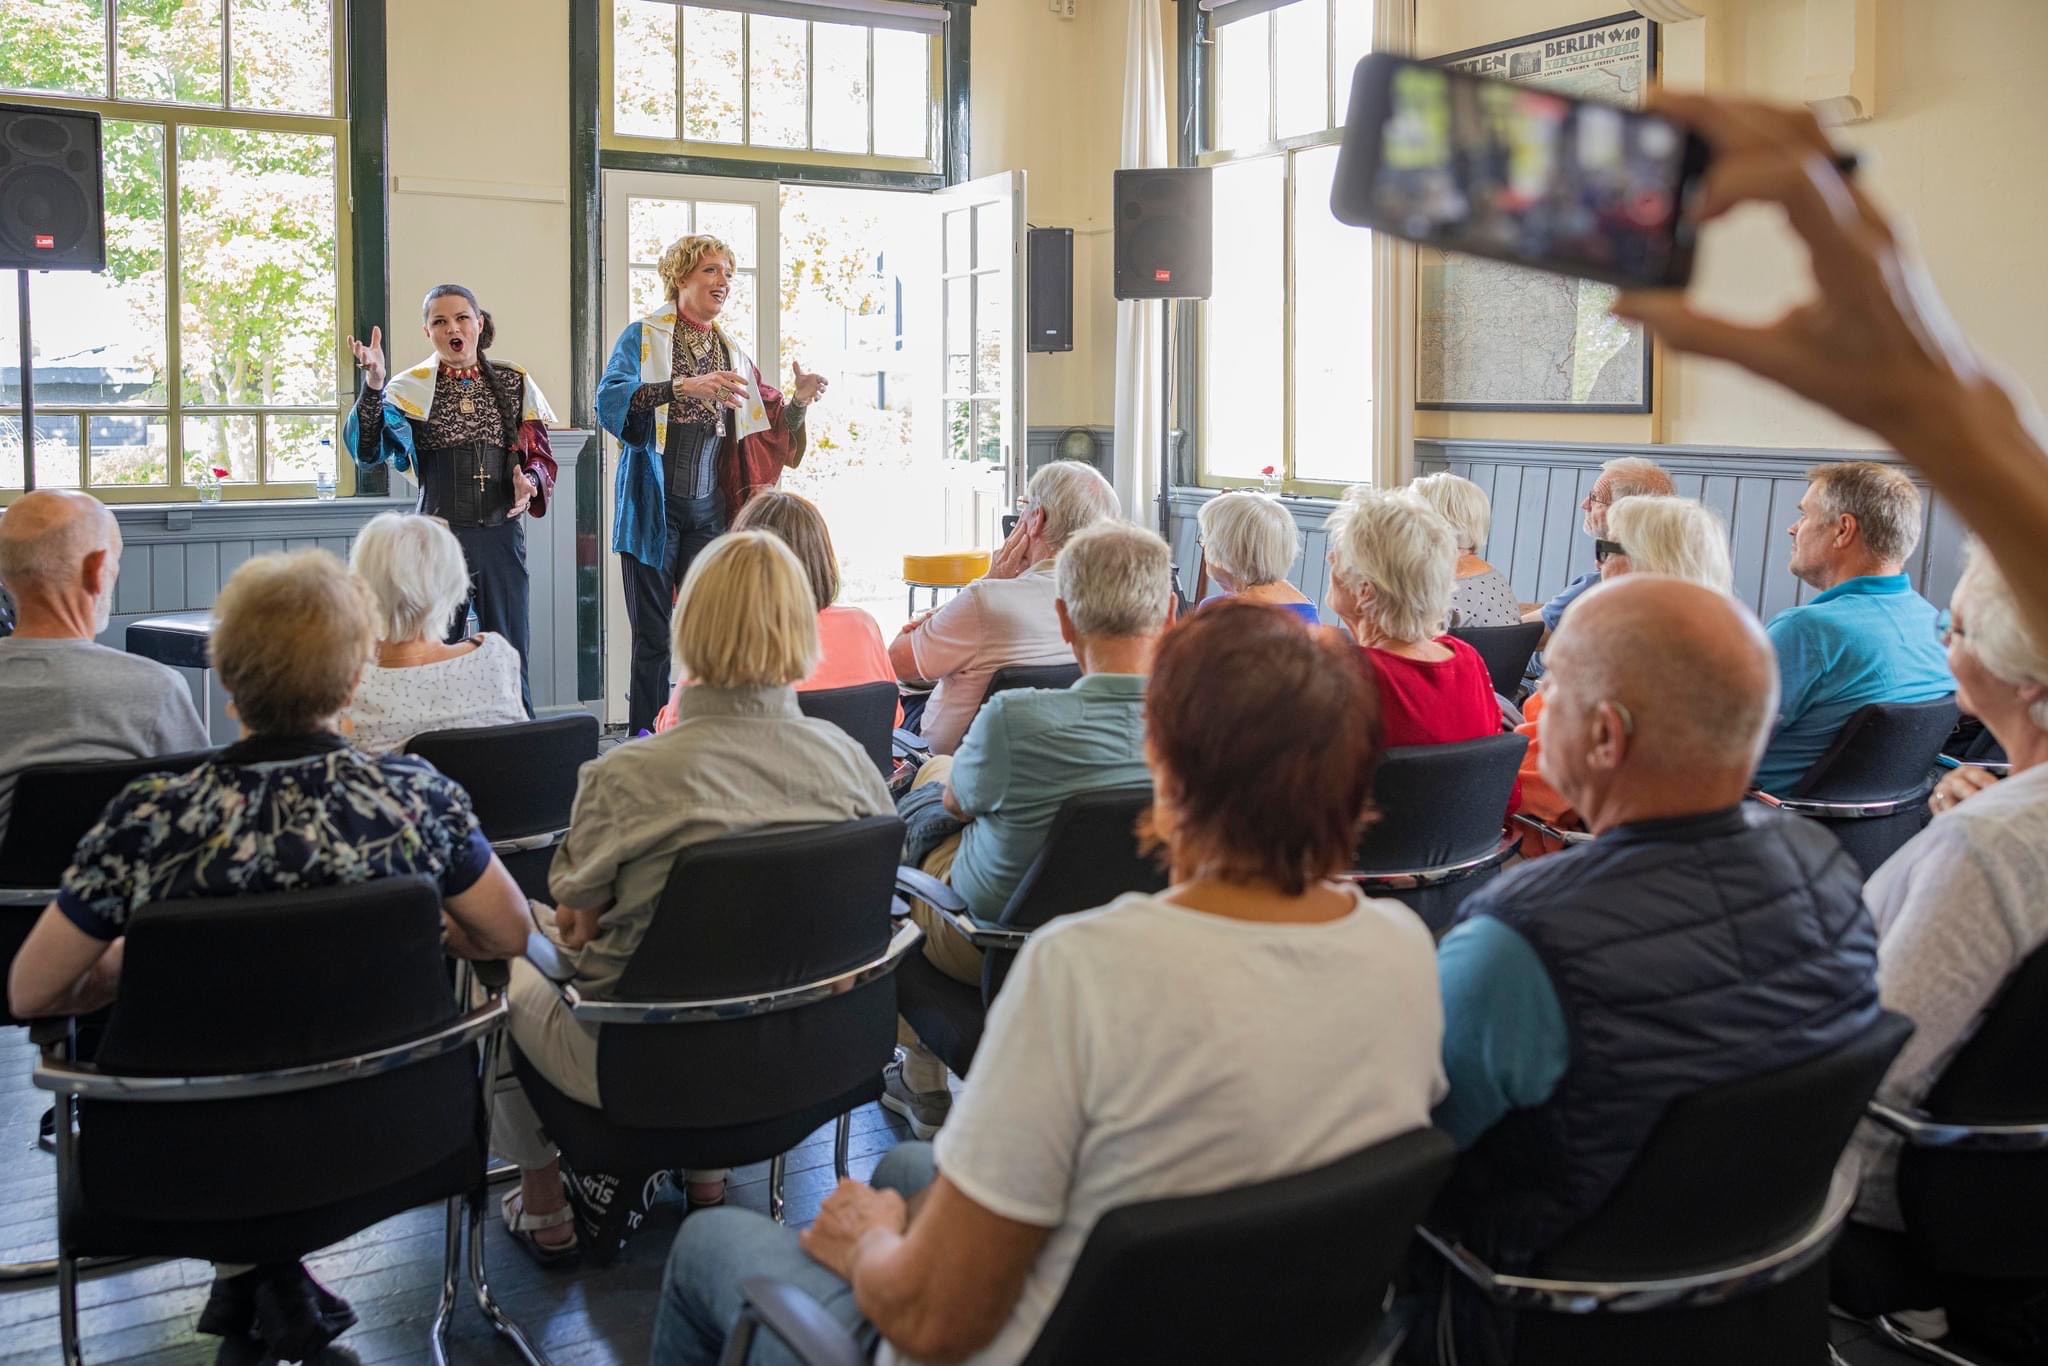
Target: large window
pixel 213 338
pixel 1287 334
pixel 720 80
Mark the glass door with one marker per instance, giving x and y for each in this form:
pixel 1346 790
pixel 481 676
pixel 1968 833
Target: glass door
pixel 980 301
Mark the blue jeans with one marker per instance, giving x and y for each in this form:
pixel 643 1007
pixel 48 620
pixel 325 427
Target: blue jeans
pixel 719 1248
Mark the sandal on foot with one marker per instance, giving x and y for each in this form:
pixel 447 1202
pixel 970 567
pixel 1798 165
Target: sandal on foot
pixel 522 1226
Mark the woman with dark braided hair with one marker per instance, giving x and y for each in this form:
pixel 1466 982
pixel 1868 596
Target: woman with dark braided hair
pixel 475 436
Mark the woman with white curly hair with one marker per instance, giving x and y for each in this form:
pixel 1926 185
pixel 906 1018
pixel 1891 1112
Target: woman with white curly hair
pixel 1249 542
pixel 1482 595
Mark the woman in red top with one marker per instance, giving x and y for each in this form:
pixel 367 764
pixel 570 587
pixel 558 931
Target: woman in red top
pixel 1392 571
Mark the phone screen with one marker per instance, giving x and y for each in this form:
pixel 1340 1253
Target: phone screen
pixel 1517 173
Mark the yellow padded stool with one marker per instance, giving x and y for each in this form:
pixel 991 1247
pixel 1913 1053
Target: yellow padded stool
pixel 953 570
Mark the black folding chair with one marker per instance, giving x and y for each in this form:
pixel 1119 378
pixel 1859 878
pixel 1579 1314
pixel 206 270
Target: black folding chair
pixel 1292 1270
pixel 760 1005
pixel 1712 1249
pixel 280 1072
pixel 1030 676
pixel 1090 858
pixel 1871 788
pixel 1506 651
pixel 521 781
pixel 866 711
pixel 1440 834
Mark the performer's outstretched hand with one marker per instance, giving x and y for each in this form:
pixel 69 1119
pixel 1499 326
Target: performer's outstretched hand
pixel 371 357
pixel 809 388
pixel 523 490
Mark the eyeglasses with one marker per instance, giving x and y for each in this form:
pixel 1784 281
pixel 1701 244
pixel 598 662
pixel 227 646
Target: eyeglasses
pixel 1602 550
pixel 1947 632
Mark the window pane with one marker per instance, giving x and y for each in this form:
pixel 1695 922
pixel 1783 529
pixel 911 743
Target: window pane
pixel 300 448
pixel 839 90
pixel 170 50
pixel 1244 85
pixel 56 451
pixel 988 431
pixel 1242 380
pixel 959 436
pixel 903 92
pixel 1333 420
pixel 221 443
pixel 991 333
pixel 959 241
pixel 991 235
pixel 58 45
pixel 732 224
pixel 282 55
pixel 960 335
pixel 645 287
pixel 711 76
pixel 1301 62
pixel 1354 40
pixel 131 449
pixel 738 317
pixel 644 68
pixel 651 224
pixel 256 267
pixel 777 75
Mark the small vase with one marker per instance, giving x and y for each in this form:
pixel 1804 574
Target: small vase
pixel 209 488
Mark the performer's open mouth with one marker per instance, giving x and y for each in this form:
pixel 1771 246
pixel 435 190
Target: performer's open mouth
pixel 455 345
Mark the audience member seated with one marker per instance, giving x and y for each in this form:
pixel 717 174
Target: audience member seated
pixel 1697 940
pixel 66 699
pixel 1629 476
pixel 1249 542
pixel 1482 595
pixel 850 649
pixel 1681 538
pixel 291 805
pixel 1164 1045
pixel 420 681
pixel 1868 637
pixel 978 818
pixel 1963 904
pixel 1007 617
pixel 740 757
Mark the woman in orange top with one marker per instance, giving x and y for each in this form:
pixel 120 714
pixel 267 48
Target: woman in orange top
pixel 850 649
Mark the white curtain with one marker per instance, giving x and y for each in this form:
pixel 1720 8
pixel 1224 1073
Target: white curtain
pixel 1139 358
pixel 1393 283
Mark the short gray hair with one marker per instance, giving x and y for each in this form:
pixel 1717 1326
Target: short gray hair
pixel 1681 537
pixel 1250 535
pixel 1396 544
pixel 1994 629
pixel 415 572
pixel 1883 501
pixel 1460 502
pixel 1631 476
pixel 1072 495
pixel 1116 579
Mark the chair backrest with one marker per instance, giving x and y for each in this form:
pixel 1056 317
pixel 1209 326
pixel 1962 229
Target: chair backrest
pixel 1090 858
pixel 866 711
pixel 752 914
pixel 1884 751
pixel 1733 1170
pixel 1293 1270
pixel 55 804
pixel 1440 804
pixel 1030 676
pixel 521 778
pixel 1506 651
pixel 242 984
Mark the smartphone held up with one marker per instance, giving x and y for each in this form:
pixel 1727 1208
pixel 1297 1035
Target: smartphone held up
pixel 1519 174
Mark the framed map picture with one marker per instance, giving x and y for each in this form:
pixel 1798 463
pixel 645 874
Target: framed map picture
pixel 1496 337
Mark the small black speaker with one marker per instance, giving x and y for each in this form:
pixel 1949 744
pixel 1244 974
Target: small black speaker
pixel 1050 289
pixel 1163 220
pixel 50 212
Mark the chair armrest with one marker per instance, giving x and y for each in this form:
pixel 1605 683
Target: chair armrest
pixel 799 1322
pixel 546 958
pixel 922 885
pixel 904 939
pixel 1922 1130
pixel 546 839
pixel 494 974
pixel 953 907
pixel 26 898
pixel 909 742
pixel 1410 879
pixel 1840 811
pixel 1549 831
pixel 1757 794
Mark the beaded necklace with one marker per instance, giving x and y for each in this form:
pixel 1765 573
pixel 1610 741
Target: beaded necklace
pixel 466 381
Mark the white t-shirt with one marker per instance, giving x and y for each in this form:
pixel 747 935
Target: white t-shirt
pixel 986 626
pixel 1144 1051
pixel 479 687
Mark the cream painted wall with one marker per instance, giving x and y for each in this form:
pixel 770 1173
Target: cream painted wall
pixel 484 203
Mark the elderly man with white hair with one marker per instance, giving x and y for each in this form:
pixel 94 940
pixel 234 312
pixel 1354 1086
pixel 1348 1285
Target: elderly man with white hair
pixel 1028 751
pixel 63 698
pixel 1007 617
pixel 419 682
pixel 1482 595
pixel 1249 542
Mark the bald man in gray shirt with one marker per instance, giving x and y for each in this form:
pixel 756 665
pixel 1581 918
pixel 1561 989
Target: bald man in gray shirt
pixel 63 698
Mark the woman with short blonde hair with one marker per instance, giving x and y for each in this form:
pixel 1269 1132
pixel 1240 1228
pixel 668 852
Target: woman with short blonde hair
pixel 418 583
pixel 1481 595
pixel 1679 537
pixel 1249 542
pixel 744 616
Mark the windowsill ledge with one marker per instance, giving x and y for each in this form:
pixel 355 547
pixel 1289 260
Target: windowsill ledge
pixel 257 518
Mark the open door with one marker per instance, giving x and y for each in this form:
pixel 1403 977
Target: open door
pixel 980 301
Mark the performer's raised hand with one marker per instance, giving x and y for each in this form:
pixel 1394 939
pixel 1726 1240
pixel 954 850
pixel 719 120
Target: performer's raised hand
pixel 523 490
pixel 371 358
pixel 809 388
pixel 720 388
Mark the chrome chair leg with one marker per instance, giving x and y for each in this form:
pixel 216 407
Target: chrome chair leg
pixel 1917 1345
pixel 451 1269
pixel 775 1171
pixel 67 1308
pixel 501 1322
pixel 842 1139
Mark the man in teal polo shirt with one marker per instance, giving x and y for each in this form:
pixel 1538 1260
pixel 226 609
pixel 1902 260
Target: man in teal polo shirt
pixel 1868 637
pixel 1027 751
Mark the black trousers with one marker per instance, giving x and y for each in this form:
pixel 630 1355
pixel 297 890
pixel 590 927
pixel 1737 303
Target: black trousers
pixel 693 523
pixel 498 589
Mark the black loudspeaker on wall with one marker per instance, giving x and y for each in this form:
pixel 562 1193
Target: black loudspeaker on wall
pixel 50 211
pixel 1050 281
pixel 1163 219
